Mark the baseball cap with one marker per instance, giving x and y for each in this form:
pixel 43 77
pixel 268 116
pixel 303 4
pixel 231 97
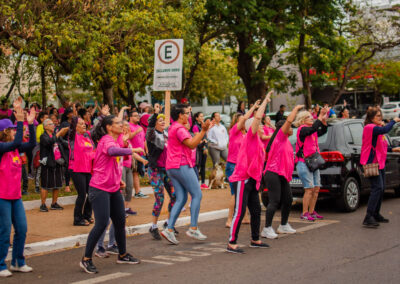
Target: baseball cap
pixel 6 123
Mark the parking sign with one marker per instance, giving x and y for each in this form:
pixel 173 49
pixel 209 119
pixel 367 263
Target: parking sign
pixel 168 59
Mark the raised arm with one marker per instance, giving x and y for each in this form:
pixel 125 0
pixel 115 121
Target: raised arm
pixel 289 120
pixel 242 119
pixel 194 141
pixel 260 113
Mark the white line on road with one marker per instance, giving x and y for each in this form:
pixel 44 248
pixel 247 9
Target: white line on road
pixel 157 262
pixel 104 278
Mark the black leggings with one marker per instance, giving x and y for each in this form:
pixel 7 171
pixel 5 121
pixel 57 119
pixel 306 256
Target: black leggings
pixel 83 208
pixel 106 205
pixel 246 195
pixel 278 192
pixel 201 164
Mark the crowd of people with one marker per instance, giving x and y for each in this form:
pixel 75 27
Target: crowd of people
pixel 106 151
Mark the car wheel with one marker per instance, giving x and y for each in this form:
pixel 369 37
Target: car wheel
pixel 350 197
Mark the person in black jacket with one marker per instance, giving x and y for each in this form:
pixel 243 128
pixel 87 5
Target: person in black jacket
pixel 156 138
pixel 280 115
pixel 52 159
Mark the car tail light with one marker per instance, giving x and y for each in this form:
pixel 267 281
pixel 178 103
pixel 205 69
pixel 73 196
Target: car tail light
pixel 324 190
pixel 332 156
pixel 395 110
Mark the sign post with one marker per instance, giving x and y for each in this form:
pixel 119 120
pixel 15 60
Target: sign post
pixel 168 60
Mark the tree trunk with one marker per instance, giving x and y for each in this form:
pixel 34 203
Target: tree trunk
pixel 43 84
pixel 108 95
pixel 15 76
pixel 252 80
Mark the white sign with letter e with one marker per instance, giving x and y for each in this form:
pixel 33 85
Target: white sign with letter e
pixel 168 59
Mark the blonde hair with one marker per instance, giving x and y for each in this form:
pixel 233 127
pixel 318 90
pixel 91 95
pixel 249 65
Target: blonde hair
pixel 301 117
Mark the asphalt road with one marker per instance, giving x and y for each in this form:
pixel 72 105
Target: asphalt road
pixel 337 250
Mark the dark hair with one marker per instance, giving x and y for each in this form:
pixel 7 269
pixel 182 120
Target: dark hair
pixel 196 115
pixel 64 116
pixel 239 104
pixel 82 112
pixel 213 114
pixel 101 128
pixel 177 110
pixel 371 113
pixel 281 106
pixel 132 112
pixel 278 126
pixel 41 115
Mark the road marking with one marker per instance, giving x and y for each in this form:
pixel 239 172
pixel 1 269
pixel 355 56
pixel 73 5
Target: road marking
pixel 173 258
pixel 192 253
pixel 104 278
pixel 157 262
pixel 217 249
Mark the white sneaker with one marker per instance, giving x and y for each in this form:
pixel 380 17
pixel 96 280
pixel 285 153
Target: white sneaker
pixel 269 233
pixel 286 229
pixel 196 234
pixel 5 273
pixel 169 236
pixel 24 268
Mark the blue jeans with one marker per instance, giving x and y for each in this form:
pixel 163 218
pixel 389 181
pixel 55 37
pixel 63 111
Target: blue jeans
pixel 185 181
pixel 12 212
pixel 230 167
pixel 309 179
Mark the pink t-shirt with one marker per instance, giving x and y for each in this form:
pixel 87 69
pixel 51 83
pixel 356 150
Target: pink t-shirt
pixel 138 140
pixel 107 170
pixel 251 156
pixel 127 160
pixel 268 131
pixel 178 154
pixel 236 138
pixel 10 175
pixel 281 156
pixel 144 121
pixel 84 153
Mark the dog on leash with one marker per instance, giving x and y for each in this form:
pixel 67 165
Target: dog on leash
pixel 216 178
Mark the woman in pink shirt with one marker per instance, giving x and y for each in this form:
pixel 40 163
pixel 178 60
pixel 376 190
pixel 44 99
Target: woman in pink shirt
pixel 104 192
pixel 268 130
pixel 278 174
pixel 179 166
pixel 12 212
pixel 246 180
pixel 237 132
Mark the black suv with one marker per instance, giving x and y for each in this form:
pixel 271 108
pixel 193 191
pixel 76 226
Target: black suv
pixel 342 177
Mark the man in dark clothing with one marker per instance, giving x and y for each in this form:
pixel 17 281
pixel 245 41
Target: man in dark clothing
pixel 280 114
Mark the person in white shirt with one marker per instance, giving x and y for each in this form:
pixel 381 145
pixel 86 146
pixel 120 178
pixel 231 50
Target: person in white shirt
pixel 218 137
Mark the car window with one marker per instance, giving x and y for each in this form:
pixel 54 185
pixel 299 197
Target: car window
pixel 321 139
pixel 389 106
pixel 347 135
pixel 356 130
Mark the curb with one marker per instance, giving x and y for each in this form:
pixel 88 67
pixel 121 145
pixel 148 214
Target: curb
pixel 70 200
pixel 80 240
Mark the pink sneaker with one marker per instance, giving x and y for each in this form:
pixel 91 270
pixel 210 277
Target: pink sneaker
pixel 204 186
pixel 315 215
pixel 307 217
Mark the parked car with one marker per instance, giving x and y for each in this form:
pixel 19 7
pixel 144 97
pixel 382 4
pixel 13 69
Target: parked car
pixel 342 176
pixel 390 110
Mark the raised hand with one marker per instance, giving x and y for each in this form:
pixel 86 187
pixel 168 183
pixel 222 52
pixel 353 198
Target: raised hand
pixel 298 107
pixel 17 103
pixel 268 97
pixel 19 113
pixel 105 110
pixel 31 116
pixel 207 125
pixel 157 108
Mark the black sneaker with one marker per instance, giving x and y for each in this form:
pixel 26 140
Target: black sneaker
pixel 55 206
pixel 128 259
pixel 88 266
pixel 261 245
pixel 112 249
pixel 43 208
pixel 370 222
pixel 234 250
pixel 379 218
pixel 155 233
pixel 165 226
